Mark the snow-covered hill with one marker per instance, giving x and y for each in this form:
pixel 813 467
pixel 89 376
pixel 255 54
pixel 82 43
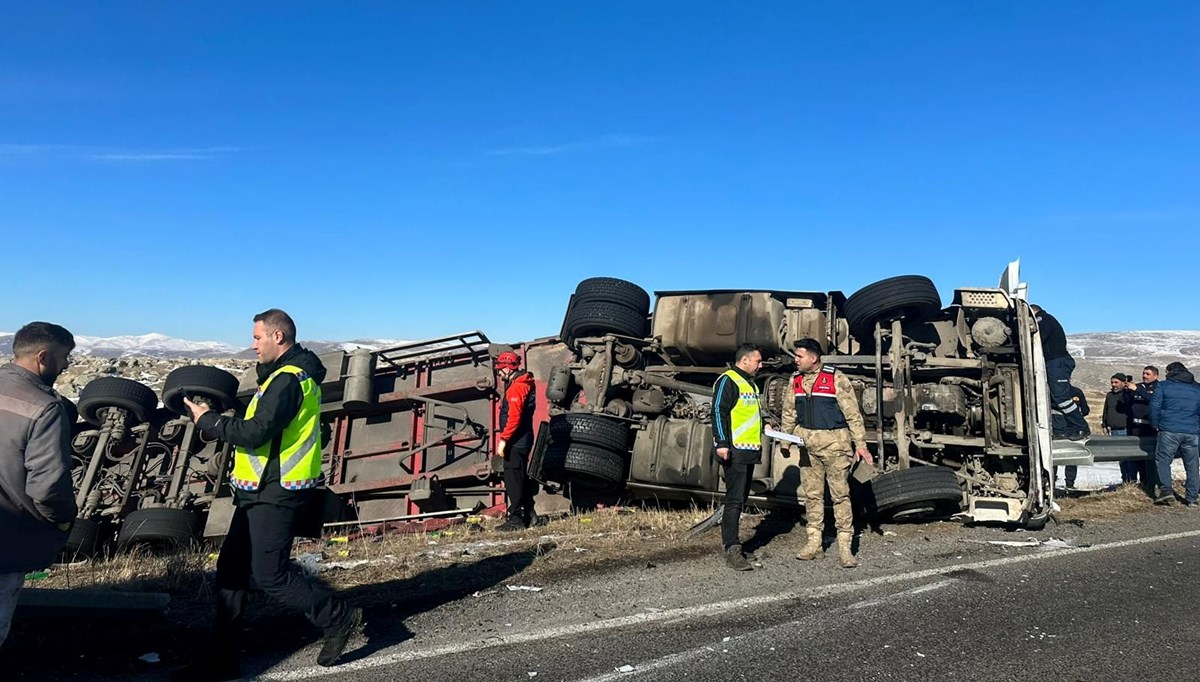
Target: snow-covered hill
pixel 163 346
pixel 149 345
pixel 1099 355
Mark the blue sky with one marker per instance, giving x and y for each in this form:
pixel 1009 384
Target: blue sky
pixel 411 169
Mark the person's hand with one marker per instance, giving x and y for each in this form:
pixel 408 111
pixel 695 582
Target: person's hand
pixel 865 455
pixel 723 454
pixel 500 445
pixel 198 411
pixel 785 451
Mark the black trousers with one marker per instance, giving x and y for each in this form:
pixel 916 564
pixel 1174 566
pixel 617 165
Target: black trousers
pixel 258 546
pixel 737 488
pixel 518 487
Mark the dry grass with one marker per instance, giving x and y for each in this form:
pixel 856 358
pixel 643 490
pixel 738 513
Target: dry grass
pixel 1127 499
pixel 576 541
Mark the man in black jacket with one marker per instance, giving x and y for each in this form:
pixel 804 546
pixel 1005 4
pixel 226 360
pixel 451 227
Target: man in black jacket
pixel 1115 420
pixel 737 443
pixel 1059 366
pixel 1138 397
pixel 275 508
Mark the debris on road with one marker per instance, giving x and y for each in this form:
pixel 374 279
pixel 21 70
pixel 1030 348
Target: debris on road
pixel 1049 544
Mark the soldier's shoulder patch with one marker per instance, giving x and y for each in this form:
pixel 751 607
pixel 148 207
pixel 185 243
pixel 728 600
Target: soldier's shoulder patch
pixel 829 368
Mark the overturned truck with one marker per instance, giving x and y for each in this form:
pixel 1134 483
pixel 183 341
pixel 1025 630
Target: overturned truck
pixel 954 397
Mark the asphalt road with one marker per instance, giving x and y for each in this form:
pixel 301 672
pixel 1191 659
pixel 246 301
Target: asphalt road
pixel 1122 610
pixel 1106 600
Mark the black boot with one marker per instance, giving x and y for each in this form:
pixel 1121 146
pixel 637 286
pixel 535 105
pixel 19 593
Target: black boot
pixel 338 636
pixel 511 522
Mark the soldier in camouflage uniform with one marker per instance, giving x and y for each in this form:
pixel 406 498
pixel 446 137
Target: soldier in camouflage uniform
pixel 824 412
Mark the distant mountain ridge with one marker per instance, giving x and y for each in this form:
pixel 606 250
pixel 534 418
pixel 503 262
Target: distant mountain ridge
pixel 1097 355
pixel 157 345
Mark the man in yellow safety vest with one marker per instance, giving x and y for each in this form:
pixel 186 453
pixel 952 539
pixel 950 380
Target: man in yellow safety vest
pixel 737 441
pixel 276 483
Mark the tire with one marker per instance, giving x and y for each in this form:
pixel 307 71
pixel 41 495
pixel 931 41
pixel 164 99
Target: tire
pixel 596 318
pixel 212 383
pixel 923 490
pixel 913 296
pixel 590 429
pixel 83 542
pixel 128 394
pixel 589 466
pixel 612 290
pixel 159 528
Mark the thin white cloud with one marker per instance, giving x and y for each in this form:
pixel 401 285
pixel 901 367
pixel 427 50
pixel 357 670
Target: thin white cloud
pixel 1124 217
pixel 589 144
pixel 115 154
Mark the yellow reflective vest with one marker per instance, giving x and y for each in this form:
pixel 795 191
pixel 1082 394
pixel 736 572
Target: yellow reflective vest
pixel 299 445
pixel 745 419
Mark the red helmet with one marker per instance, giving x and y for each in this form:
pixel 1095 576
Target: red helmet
pixel 507 360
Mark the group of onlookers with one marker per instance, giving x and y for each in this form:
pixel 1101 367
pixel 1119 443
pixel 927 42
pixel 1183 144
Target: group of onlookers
pixel 1166 410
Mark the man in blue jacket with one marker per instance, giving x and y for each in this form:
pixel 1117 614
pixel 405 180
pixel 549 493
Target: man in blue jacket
pixel 1175 412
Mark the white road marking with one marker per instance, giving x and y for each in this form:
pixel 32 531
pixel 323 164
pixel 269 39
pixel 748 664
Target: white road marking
pixel 699 611
pixel 707 649
pixel 902 595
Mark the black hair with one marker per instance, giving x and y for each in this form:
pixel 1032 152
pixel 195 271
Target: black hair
pixel 39 336
pixel 811 345
pixel 277 319
pixel 744 350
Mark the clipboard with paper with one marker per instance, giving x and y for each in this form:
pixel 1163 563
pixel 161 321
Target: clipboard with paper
pixel 780 435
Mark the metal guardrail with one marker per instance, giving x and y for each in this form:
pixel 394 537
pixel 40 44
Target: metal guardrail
pixel 1121 448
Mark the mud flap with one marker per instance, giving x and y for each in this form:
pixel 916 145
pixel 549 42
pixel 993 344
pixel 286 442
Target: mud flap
pixel 707 524
pixel 220 515
pixel 537 456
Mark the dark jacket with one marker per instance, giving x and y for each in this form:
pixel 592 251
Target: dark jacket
pixel 725 397
pixel 1080 401
pixel 35 471
pixel 1054 339
pixel 1139 409
pixel 516 412
pixel 276 409
pixel 1175 406
pixel 1116 410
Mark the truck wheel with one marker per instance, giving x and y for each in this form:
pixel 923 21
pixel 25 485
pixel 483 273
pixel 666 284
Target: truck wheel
pixel 596 318
pixel 591 467
pixel 613 290
pixel 215 384
pixel 105 392
pixel 159 528
pixel 913 296
pixel 83 542
pixel 919 491
pixel 590 429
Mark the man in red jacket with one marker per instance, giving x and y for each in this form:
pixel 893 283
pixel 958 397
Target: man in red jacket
pixel 516 439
